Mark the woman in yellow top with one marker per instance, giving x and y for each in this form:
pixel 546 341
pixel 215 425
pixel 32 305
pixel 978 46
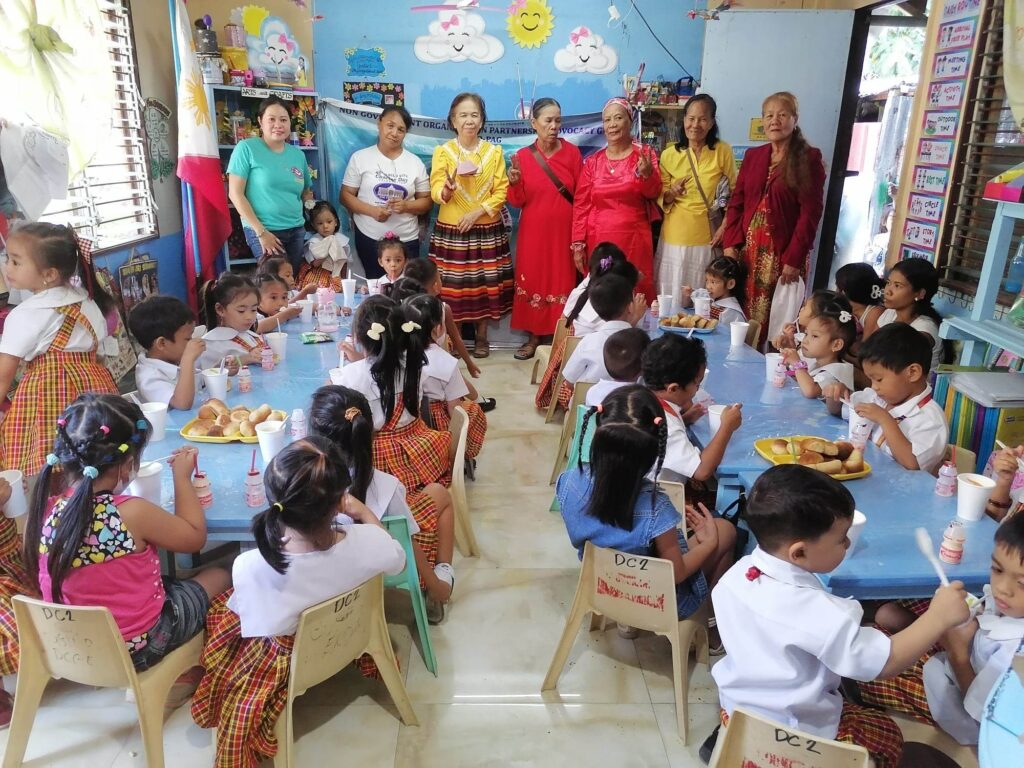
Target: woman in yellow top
pixel 469 243
pixel 697 175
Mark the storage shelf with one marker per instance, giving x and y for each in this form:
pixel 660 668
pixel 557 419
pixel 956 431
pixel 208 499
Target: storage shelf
pixel 996 332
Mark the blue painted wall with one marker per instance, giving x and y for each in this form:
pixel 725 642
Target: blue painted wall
pixel 166 250
pixel 430 88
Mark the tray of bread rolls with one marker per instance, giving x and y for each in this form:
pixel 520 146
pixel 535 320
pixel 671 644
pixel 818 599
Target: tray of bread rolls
pixel 687 323
pixel 836 458
pixel 215 422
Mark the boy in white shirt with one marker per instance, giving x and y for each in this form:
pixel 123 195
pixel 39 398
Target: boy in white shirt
pixel 164 326
pixel 789 641
pixel 613 300
pixel 622 353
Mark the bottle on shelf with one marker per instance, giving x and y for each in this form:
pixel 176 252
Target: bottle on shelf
pixel 1015 273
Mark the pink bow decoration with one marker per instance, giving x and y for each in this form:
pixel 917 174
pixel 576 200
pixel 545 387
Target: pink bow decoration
pixel 452 22
pixel 285 43
pixel 576 37
pixel 517 5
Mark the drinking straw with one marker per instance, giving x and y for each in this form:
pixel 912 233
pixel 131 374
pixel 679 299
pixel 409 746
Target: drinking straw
pixel 252 467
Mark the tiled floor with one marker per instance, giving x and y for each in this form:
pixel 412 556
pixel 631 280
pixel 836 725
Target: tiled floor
pixel 614 702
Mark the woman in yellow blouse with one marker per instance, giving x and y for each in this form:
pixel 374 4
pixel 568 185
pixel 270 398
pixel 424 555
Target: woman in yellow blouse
pixel 469 243
pixel 697 174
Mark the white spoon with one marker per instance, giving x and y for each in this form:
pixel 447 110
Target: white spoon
pixel 924 543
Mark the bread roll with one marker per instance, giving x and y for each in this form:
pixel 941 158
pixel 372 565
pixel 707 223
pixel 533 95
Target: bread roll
pixel 216 430
pixel 200 428
pixel 816 444
pixel 844 449
pixel 277 416
pixel 232 429
pixel 810 458
pixel 780 447
pixel 223 420
pixel 854 462
pixel 212 408
pixel 260 414
pixel 247 429
pixel 240 414
pixel 834 467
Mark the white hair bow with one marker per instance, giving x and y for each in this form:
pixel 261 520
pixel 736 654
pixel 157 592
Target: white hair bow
pixel 876 291
pixel 845 317
pixel 376 331
pixel 410 326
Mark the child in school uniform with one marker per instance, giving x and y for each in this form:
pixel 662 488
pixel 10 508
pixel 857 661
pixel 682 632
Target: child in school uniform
pixel 343 416
pixel 788 641
pixel 13 581
pixel 228 307
pixel 59 332
pixel 622 354
pixel 864 289
pixel 820 360
pixel 789 338
pixel 613 299
pixel 166 371
pixel 1007 496
pixel 327 252
pixel 673 367
pixel 392 259
pixel 725 280
pixel 276 265
pixel 273 309
pixel 909 289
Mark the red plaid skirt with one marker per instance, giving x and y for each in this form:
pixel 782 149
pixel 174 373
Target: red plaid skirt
pixel 424 512
pixel 415 454
pixel 477 423
pixel 51 383
pixel 903 693
pixel 13 581
pixel 318 276
pixel 547 384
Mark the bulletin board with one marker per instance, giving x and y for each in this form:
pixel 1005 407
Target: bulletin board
pixel 936 127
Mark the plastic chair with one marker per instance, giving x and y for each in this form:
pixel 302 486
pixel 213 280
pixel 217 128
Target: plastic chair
pixel 750 739
pixel 465 539
pixel 753 333
pixel 330 636
pixel 543 353
pixel 964 459
pixel 571 342
pixel 85 646
pixel 579 399
pixel 409 580
pixel 614 585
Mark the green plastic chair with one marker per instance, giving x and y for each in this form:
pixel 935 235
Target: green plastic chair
pixel 409 580
pixel 581 411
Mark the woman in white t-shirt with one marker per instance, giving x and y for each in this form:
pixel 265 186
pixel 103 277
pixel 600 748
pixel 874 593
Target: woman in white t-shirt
pixel 386 188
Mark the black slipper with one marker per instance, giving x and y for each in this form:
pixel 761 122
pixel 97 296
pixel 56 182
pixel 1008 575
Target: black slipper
pixel 488 404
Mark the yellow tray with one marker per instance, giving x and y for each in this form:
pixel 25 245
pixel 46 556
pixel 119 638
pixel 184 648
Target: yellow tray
pixel 205 439
pixel 683 330
pixel 764 447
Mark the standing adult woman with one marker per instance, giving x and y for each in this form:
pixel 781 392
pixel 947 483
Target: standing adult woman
pixel 696 174
pixel 542 180
pixel 268 181
pixel 775 207
pixel 615 198
pixel 386 188
pixel 469 243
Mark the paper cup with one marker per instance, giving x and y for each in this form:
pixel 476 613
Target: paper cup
pixel 856 529
pixel 738 333
pixel 307 309
pixel 147 482
pixel 157 415
pixel 715 418
pixel 666 305
pixel 348 288
pixel 335 374
pixel 702 306
pixel 216 380
pixel 771 360
pixel 972 492
pixel 278 341
pixel 17 505
pixel 371 285
pixel 272 437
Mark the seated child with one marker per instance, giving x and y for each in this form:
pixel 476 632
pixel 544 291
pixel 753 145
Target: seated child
pixel 13 581
pixel 276 265
pixel 326 252
pixel 273 309
pixel 725 280
pixel 951 687
pixel 910 425
pixel 908 297
pixel 1007 497
pixel 788 641
pixel 828 337
pixel 391 257
pixel 864 289
pixel 615 303
pixel 788 339
pixel 99 445
pixel 622 354
pixel 163 325
pixel 613 502
pixel 673 367
pixel 228 307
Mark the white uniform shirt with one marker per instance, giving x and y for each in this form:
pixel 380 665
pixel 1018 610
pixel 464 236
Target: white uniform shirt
pixel 32 326
pixel 924 426
pixel 831 373
pixel 587 321
pixel 923 324
pixel 441 377
pixel 587 361
pixel 384 496
pixel 788 642
pixel 731 311
pixel 681 456
pixel 357 376
pixel 155 379
pixel 602 389
pixel 223 341
pixel 269 603
pixel 333 249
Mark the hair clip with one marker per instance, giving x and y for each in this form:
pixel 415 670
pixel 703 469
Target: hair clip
pixel 351 413
pixel 876 291
pixel 278 506
pixel 605 263
pixel 52 459
pixel 845 317
pixel 123 447
pixel 599 408
pixel 410 326
pixel 657 421
pixel 62 422
pixel 91 472
pixel 390 235
pixel 376 331
pixel 104 429
pixel 142 424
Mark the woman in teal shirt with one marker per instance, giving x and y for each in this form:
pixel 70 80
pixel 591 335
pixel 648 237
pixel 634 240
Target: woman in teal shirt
pixel 268 180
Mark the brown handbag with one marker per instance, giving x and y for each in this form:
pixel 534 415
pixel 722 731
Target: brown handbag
pixel 714 217
pixel 543 163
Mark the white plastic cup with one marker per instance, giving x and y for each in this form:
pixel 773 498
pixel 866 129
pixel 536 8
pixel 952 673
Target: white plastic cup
pixel 771 362
pixel 307 309
pixel 738 333
pixel 17 505
pixel 348 288
pixel 278 341
pixel 272 437
pixel 666 305
pixel 157 415
pixel 715 418
pixel 216 382
pixel 972 492
pixel 856 529
pixel 702 306
pixel 147 482
pixel 371 285
pixel 335 374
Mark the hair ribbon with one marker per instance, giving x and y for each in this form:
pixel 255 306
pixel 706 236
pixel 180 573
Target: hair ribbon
pixel 411 325
pixel 52 459
pixel 390 235
pixel 91 472
pixel 376 331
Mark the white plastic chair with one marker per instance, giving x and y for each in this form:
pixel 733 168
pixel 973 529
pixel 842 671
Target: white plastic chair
pixel 579 397
pixel 543 353
pixel 465 539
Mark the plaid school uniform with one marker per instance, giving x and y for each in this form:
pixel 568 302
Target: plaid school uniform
pixel 547 383
pixel 903 693
pixel 415 454
pixel 13 581
pixel 51 382
pixel 424 512
pixel 440 418
pixel 318 276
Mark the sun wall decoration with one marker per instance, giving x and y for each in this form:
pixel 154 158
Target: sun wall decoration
pixel 529 23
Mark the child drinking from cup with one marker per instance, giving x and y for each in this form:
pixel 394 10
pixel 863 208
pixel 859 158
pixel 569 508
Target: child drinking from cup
pixel 273 308
pixel 228 307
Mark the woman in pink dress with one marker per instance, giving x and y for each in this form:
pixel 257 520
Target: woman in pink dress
pixel 542 181
pixel 616 195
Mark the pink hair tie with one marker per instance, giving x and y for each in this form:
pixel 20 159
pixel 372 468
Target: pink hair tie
pixel 657 421
pixel 389 235
pixel 104 429
pixel 62 422
pixel 599 408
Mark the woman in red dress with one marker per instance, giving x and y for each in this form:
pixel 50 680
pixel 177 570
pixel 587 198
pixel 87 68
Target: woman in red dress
pixel 616 195
pixel 542 181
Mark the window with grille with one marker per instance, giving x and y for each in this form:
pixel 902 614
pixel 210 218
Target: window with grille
pixel 993 144
pixel 111 201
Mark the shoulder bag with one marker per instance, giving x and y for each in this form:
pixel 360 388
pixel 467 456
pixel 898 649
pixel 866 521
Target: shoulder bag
pixel 716 215
pixel 543 163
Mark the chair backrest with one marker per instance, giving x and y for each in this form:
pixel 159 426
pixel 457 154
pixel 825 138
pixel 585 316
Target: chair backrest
pixel 332 634
pixel 676 493
pixel 79 644
pixel 459 427
pixel 571 342
pixel 561 332
pixel 574 447
pixel 964 459
pixel 632 589
pixel 751 740
pixel 753 333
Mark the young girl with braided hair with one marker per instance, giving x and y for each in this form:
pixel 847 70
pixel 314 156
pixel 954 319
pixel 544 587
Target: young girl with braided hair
pixel 88 543
pixel 612 502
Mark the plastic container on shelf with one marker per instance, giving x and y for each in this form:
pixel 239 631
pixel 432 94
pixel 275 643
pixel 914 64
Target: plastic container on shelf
pixel 1015 316
pixel 1015 272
